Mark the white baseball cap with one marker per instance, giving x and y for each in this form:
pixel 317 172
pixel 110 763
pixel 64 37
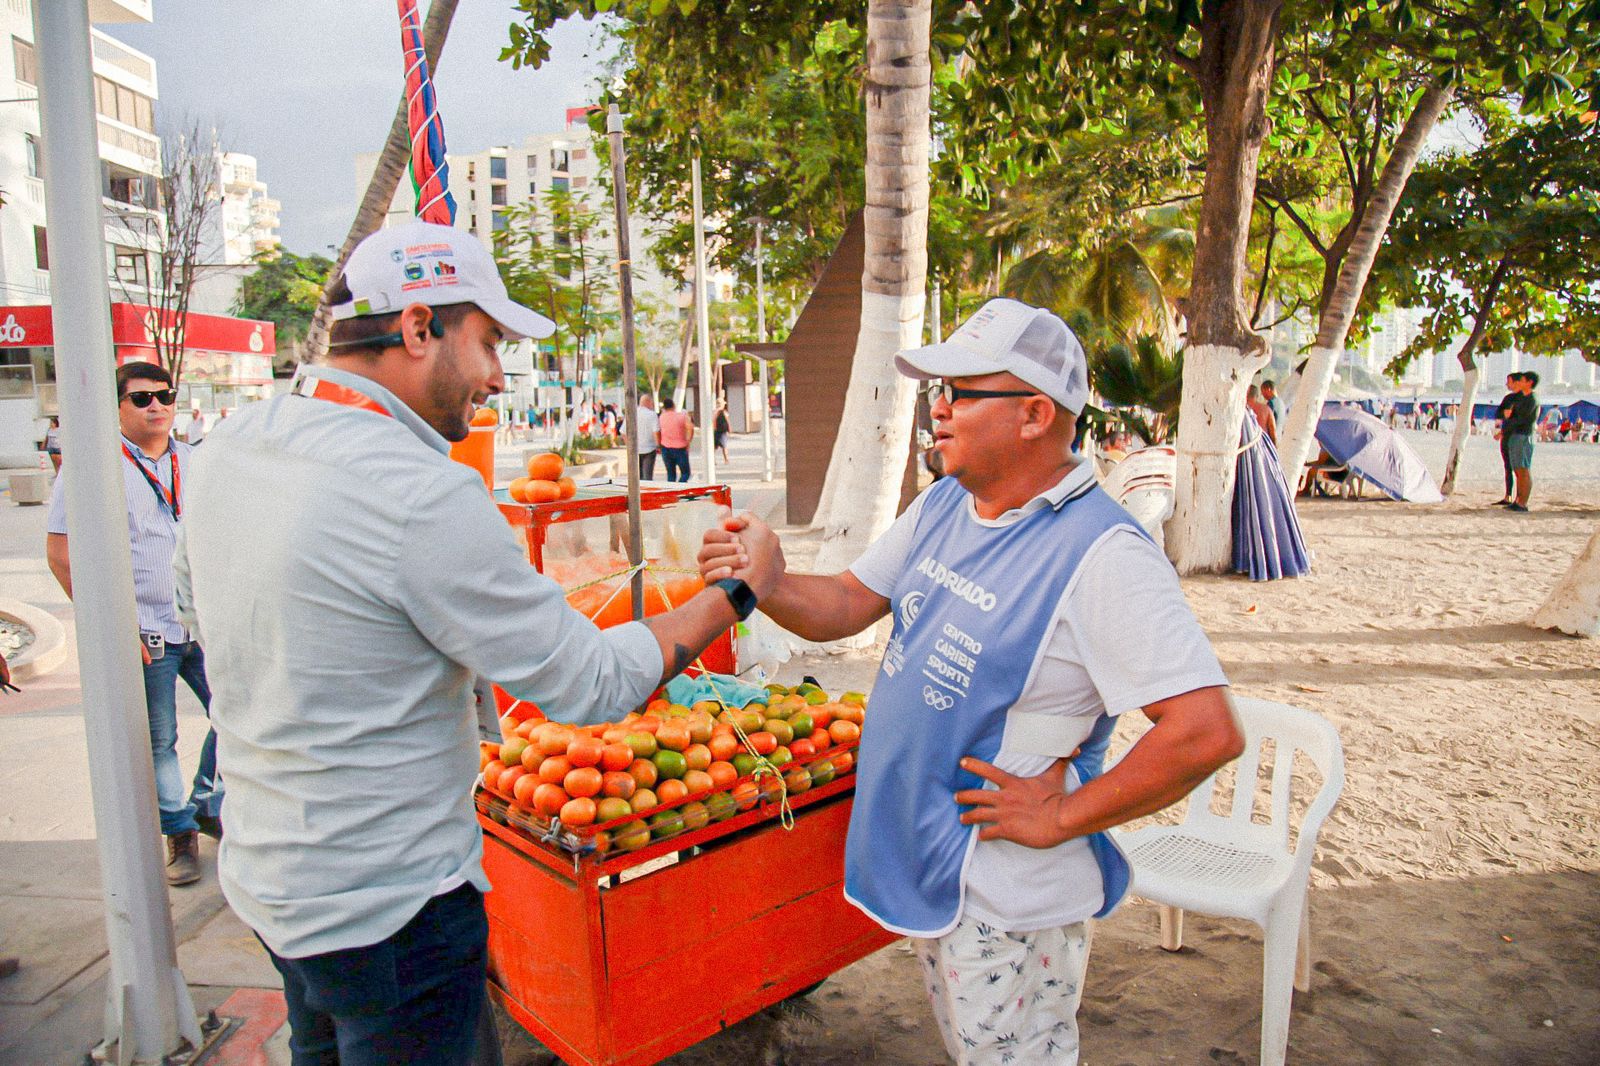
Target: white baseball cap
pixel 425 263
pixel 1006 336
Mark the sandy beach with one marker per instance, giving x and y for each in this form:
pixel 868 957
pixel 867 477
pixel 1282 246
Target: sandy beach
pixel 1455 898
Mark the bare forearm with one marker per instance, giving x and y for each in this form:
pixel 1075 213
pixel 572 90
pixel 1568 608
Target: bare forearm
pixel 822 608
pixel 1166 764
pixel 56 558
pixel 686 631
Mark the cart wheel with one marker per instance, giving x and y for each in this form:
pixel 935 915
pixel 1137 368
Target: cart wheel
pixel 806 991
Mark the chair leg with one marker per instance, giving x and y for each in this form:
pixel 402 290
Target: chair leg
pixel 1171 927
pixel 1302 958
pixel 1277 986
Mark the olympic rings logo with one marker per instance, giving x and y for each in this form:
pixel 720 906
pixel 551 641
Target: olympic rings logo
pixel 939 701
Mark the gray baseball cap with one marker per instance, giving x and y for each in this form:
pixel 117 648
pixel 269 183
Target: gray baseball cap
pixel 1008 336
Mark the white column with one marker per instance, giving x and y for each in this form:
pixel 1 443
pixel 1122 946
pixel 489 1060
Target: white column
pixel 708 417
pixel 148 1012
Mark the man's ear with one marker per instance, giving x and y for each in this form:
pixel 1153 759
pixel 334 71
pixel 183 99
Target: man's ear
pixel 1038 415
pixel 418 322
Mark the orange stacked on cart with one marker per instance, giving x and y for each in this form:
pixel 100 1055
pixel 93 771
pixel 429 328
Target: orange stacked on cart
pixel 672 768
pixel 601 591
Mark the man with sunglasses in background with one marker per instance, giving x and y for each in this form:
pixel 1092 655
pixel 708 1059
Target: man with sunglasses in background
pixel 1029 610
pixel 154 467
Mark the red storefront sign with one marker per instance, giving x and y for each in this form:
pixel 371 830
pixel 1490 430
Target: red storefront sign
pixel 236 349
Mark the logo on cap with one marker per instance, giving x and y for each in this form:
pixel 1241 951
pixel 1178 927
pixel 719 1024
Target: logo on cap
pixel 414 272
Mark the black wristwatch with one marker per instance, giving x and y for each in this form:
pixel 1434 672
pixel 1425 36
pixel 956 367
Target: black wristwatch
pixel 739 594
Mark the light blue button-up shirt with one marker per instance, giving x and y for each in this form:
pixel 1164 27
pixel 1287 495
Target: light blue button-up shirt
pixel 152 532
pixel 348 580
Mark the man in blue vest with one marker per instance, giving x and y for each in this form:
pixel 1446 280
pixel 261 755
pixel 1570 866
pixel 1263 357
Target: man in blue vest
pixel 1029 610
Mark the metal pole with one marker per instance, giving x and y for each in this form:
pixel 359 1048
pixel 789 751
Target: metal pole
pixel 933 319
pixel 630 372
pixel 707 416
pixel 148 1012
pixel 761 337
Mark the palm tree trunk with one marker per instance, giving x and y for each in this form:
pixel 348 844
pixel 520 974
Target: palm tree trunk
pixel 392 162
pixel 862 490
pixel 1238 39
pixel 1574 604
pixel 1340 309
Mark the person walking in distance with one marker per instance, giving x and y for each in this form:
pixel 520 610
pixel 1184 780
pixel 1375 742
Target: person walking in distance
pixel 720 428
pixel 155 472
pixel 676 433
pixel 1501 414
pixel 648 426
pixel 356 605
pixel 1518 429
pixel 1028 610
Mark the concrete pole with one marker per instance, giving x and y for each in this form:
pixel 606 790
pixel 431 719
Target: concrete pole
pixel 936 329
pixel 761 338
pixel 148 1012
pixel 630 366
pixel 708 416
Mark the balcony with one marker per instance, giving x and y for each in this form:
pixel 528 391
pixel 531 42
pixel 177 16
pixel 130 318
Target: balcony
pixel 121 11
pixel 117 61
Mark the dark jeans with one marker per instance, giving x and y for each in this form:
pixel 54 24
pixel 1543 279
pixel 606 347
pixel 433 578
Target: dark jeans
pixel 1505 461
pixel 415 998
pixel 161 701
pixel 677 460
pixel 647 466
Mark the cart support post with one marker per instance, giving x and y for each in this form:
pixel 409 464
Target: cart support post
pixel 761 338
pixel 630 373
pixel 708 417
pixel 149 1015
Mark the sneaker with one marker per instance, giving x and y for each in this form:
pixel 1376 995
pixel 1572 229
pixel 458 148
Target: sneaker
pixel 210 825
pixel 1516 507
pixel 183 858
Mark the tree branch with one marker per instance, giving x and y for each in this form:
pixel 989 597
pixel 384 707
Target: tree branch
pixel 1266 269
pixel 1294 216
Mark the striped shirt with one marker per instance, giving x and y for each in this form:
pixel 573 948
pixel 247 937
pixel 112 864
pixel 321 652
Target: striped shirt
pixel 152 533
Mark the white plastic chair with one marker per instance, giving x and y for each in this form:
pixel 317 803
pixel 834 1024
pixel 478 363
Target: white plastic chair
pixel 1237 868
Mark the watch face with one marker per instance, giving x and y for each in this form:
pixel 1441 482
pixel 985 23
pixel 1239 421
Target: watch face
pixel 740 595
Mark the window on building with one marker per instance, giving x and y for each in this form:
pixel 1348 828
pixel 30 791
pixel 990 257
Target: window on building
pixel 499 221
pixel 26 62
pixel 497 167
pixel 472 170
pixel 579 182
pixel 41 248
pixel 533 164
pixel 580 153
pixel 123 104
pixel 533 189
pixel 559 184
pixel 558 159
pixel 30 150
pixel 131 265
pixel 497 195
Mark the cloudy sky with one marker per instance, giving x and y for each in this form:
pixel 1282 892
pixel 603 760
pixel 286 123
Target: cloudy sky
pixel 305 85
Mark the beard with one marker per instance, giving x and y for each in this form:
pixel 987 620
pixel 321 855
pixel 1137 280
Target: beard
pixel 450 398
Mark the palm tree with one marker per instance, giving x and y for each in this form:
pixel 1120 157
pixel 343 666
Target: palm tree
pixel 1149 376
pixel 392 163
pixel 862 490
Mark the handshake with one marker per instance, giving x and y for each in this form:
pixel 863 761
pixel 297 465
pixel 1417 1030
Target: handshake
pixel 743 547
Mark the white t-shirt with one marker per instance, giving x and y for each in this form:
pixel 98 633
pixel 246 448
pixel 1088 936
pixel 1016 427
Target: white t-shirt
pixel 1099 658
pixel 649 425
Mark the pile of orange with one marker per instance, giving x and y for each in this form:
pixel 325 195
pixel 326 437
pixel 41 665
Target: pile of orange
pixel 672 768
pixel 545 482
pixel 485 416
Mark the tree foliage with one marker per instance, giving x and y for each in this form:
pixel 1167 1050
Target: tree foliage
pixel 284 289
pixel 553 256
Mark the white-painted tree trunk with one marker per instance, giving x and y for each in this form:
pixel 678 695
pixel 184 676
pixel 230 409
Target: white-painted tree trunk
pixel 862 492
pixel 1458 435
pixel 1574 604
pixel 1199 534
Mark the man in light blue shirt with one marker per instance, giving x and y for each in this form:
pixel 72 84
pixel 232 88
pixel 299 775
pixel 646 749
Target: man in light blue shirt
pixel 154 468
pixel 350 582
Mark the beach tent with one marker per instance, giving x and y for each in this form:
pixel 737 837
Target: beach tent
pixel 1377 453
pixel 1267 543
pixel 1584 410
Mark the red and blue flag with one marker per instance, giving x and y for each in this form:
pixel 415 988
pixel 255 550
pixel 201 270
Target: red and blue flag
pixel 430 172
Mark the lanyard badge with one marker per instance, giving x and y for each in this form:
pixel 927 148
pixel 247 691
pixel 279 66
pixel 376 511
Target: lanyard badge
pixel 172 500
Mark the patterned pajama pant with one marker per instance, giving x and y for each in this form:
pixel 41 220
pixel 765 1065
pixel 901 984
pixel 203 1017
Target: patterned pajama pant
pixel 1007 998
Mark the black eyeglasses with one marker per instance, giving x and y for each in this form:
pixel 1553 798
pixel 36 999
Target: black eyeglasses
pixel 943 390
pixel 141 397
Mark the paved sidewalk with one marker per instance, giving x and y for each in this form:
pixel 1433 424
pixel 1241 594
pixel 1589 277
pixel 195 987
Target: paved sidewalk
pixel 52 916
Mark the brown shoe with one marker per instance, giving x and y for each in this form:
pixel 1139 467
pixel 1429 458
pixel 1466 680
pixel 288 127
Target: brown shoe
pixel 183 858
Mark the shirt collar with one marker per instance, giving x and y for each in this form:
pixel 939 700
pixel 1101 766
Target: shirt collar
pixel 1073 481
pixel 388 400
pixel 146 456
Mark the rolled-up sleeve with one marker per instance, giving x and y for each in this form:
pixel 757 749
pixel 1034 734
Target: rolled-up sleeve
pixel 468 587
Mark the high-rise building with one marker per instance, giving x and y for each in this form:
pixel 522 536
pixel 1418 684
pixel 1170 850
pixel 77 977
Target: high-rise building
pixel 242 226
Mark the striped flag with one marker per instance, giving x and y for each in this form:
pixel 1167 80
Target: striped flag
pixel 430 173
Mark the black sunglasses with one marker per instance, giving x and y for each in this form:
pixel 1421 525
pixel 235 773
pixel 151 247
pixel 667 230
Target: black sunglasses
pixel 943 390
pixel 141 397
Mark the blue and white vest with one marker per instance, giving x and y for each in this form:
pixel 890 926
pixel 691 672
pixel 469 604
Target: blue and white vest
pixel 972 615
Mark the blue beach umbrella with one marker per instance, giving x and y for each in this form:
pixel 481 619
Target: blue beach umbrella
pixel 1377 453
pixel 1267 543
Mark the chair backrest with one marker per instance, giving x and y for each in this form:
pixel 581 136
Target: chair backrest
pixel 1291 729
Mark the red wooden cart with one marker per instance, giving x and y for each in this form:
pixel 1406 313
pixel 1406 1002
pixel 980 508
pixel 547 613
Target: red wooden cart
pixel 625 958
